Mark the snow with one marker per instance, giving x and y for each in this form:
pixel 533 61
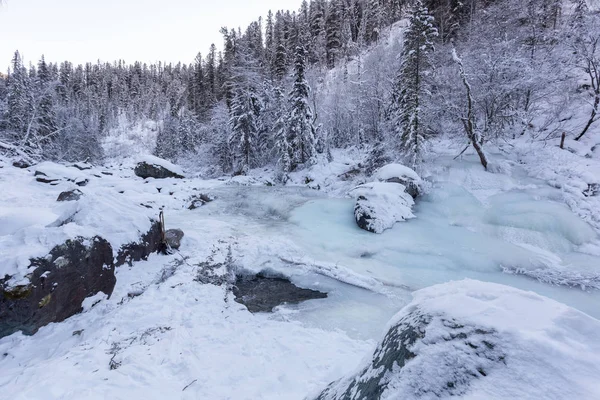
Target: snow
pixel 163 330
pixel 396 171
pixel 534 347
pixel 153 160
pixel 383 203
pixel 33 222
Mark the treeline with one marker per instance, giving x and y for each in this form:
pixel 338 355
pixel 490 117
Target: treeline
pixel 290 87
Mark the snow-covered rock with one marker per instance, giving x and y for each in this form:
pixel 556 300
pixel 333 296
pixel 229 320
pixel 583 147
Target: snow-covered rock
pixel 173 238
pixel 58 284
pixel 480 341
pixel 398 173
pixel 154 167
pixel 379 205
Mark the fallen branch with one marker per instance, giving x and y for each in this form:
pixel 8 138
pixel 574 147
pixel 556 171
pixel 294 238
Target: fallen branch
pixel 191 383
pixel 463 152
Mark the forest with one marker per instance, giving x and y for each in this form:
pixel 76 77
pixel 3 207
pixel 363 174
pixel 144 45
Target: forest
pixel 287 89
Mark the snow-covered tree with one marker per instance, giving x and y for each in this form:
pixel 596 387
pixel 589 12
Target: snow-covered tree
pixel 299 125
pixel 411 87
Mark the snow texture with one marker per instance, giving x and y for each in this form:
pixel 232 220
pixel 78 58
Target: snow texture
pixel 481 341
pixel 397 171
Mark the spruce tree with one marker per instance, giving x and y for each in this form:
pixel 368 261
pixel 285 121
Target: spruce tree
pixel 411 84
pixel 300 130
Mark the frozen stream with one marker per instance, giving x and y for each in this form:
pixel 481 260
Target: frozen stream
pixel 512 230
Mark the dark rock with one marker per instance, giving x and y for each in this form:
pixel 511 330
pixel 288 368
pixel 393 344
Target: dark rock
pixel 151 242
pixel 58 285
pixel 46 180
pixel 265 291
pixel 82 182
pixel 476 351
pixel 106 173
pixel 363 217
pixel 21 164
pixel 173 238
pixel 71 195
pixel 198 201
pixel 145 170
pixel 411 187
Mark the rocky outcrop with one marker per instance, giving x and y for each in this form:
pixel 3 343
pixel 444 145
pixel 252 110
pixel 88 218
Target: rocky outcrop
pixel 57 286
pixel 150 242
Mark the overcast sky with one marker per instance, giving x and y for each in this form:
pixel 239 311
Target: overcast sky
pixel 145 30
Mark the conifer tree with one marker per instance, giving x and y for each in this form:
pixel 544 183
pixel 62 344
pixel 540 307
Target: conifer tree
pixel 411 84
pixel 300 130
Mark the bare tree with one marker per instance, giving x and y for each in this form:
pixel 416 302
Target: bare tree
pixel 468 120
pixel 589 62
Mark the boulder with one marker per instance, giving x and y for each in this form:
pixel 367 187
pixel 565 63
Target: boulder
pixel 71 195
pixel 173 238
pixel 398 173
pixel 478 340
pixel 150 242
pixel 157 168
pixel 57 286
pixel 379 205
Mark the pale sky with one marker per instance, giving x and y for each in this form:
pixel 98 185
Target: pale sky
pixel 144 30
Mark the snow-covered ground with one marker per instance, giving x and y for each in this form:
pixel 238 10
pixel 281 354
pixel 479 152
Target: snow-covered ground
pixel 163 332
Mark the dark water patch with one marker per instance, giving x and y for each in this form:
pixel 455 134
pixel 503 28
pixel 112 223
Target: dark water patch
pixel 266 290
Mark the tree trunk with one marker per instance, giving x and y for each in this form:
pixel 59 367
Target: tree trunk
pixel 592 117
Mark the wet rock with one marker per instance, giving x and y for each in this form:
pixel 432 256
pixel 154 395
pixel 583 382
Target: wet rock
pixel 148 170
pixel 58 285
pixel 264 291
pixel 71 195
pixel 21 164
pixel 150 242
pixel 173 238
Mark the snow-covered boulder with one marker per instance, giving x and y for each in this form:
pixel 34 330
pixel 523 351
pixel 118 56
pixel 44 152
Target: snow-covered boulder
pixel 398 173
pixel 70 195
pixel 379 205
pixel 173 238
pixel 58 285
pixel 480 340
pixel 154 167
